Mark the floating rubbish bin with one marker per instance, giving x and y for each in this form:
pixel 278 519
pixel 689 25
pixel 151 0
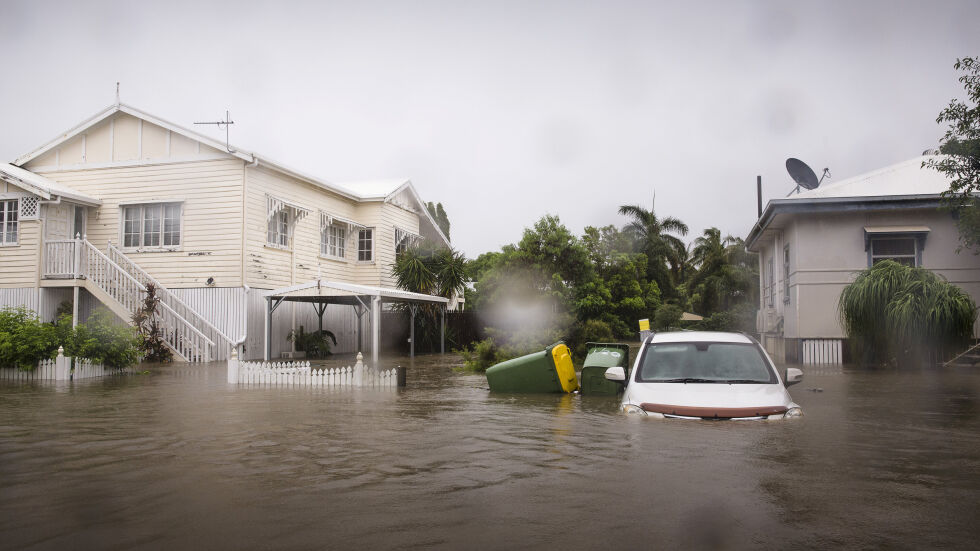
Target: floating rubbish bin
pixel 548 371
pixel 600 357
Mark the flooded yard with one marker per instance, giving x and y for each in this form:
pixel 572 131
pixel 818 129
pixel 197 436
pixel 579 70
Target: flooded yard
pixel 176 458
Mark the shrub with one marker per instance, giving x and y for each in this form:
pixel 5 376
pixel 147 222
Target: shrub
pixel 666 317
pixel 101 339
pixel 24 339
pixel 151 342
pixel 315 344
pixel 483 355
pixel 588 331
pixel 904 313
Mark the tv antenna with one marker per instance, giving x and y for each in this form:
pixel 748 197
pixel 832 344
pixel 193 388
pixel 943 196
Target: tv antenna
pixel 227 123
pixel 803 175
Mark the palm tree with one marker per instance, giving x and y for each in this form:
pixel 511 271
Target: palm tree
pixel 905 313
pixel 652 236
pixel 725 274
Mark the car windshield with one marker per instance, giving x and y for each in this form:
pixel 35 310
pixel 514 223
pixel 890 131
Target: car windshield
pixel 704 362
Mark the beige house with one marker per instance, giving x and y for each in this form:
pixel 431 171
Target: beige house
pixel 214 226
pixel 812 244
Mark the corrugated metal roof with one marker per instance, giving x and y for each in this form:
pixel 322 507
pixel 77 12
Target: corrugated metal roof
pixel 340 289
pixel 904 178
pixel 44 187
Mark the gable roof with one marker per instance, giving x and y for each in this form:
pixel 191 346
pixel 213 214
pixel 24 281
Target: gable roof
pixel 376 190
pixel 902 185
pixel 41 186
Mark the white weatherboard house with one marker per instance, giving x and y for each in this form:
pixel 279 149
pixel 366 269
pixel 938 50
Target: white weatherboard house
pixel 812 244
pixel 216 227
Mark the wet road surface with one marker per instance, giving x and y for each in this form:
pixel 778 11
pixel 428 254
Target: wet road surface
pixel 176 458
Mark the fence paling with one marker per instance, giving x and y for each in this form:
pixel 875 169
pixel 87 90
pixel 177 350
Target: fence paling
pixel 300 374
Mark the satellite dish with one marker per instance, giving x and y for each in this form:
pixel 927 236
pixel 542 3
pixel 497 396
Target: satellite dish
pixel 802 174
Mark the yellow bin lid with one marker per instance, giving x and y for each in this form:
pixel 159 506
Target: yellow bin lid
pixel 565 368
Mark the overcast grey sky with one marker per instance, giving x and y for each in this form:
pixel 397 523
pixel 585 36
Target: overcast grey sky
pixel 506 111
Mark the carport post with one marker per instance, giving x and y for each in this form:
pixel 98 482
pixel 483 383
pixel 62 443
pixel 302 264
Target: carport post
pixel 411 331
pixel 267 349
pixel 375 329
pixel 442 331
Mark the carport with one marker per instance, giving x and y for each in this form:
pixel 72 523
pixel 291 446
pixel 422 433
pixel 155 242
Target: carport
pixel 363 299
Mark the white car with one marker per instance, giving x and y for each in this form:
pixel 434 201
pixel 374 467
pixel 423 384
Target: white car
pixel 706 375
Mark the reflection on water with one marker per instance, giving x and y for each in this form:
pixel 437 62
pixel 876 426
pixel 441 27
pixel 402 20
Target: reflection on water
pixel 177 458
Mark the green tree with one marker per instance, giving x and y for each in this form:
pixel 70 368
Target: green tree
pixel 430 270
pixel 653 237
pixel 905 314
pixel 439 215
pixel 961 147
pixel 725 276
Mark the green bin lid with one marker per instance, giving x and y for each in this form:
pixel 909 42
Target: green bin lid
pixel 606 355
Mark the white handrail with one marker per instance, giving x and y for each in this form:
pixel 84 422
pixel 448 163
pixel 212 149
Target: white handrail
pixel 176 303
pixel 181 335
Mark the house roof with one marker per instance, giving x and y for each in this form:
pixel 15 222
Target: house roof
pixel 904 178
pixel 41 186
pixel 902 185
pixel 325 291
pixel 377 190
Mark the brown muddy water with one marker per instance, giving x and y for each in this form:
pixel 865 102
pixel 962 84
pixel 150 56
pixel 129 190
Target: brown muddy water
pixel 178 459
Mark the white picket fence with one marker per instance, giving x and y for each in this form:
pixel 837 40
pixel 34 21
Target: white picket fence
pixel 300 374
pixel 59 369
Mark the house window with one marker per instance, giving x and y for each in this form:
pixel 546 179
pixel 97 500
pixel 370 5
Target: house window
pixel 279 229
pixel 8 222
pixel 770 285
pixel 155 225
pixel 903 250
pixel 333 239
pixel 404 240
pixel 786 274
pixel 365 245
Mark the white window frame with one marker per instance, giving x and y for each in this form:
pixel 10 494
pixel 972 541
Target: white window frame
pixel 281 219
pixel 142 209
pixel 333 237
pixel 770 285
pixel 277 234
pixel 916 249
pixel 786 273
pixel 372 239
pixel 8 211
pixel 405 239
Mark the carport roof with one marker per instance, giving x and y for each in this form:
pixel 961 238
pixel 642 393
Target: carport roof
pixel 346 293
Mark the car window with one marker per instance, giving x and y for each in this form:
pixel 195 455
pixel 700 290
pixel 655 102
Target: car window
pixel 708 362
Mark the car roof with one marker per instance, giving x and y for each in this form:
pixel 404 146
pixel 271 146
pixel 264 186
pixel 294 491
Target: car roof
pixel 699 336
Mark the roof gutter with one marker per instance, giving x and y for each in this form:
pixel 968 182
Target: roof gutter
pixel 836 204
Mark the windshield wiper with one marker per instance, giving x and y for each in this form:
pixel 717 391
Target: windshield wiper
pixel 688 380
pixel 745 381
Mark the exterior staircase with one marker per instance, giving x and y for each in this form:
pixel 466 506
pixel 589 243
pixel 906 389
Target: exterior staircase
pixel 120 284
pixel 969 358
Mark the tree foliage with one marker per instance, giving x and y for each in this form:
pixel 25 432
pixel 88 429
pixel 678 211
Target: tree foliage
pixel 653 236
pixel 147 323
pixel 961 148
pixel 903 312
pixel 25 339
pixel 438 214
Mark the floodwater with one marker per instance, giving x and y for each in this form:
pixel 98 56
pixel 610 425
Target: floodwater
pixel 178 459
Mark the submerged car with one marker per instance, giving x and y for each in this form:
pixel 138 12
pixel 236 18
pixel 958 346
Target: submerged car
pixel 706 375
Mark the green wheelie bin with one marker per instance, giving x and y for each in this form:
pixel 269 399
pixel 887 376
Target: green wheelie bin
pixel 548 371
pixel 600 357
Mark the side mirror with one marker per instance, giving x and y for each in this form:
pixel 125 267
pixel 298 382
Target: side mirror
pixel 616 374
pixel 792 376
